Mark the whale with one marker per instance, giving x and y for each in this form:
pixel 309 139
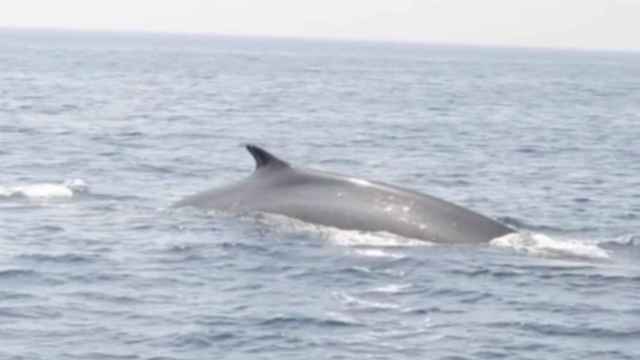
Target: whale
pixel 345 202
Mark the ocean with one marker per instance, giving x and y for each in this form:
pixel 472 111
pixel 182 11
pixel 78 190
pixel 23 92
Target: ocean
pixel 101 132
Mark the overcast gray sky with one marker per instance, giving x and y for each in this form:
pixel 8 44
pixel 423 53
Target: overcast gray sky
pixel 608 24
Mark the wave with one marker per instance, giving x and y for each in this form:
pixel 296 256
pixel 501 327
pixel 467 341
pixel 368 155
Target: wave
pixel 23 276
pixel 45 191
pixel 331 320
pixel 17 273
pixel 362 304
pixel 105 297
pixel 624 240
pixel 65 258
pixel 29 312
pixel 551 329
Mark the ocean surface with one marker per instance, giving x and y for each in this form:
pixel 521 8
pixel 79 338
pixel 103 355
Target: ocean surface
pixel 101 132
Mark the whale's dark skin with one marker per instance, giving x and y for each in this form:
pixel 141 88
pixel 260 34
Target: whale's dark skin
pixel 347 203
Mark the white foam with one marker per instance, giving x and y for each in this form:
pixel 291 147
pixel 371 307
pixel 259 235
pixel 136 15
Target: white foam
pixel 392 288
pixel 378 253
pixel 537 244
pixel 45 190
pixel 77 185
pixel 374 239
pixel 347 238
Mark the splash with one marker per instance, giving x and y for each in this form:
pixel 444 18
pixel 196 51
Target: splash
pixel 353 238
pixel 347 238
pixel 377 244
pixel 45 191
pixel 538 244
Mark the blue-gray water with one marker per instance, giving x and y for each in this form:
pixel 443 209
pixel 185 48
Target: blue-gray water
pixel 100 133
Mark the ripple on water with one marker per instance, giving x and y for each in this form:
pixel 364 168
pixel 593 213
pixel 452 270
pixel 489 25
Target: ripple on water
pixel 18 273
pixel 66 258
pixel 34 312
pixel 21 277
pixel 302 321
pixel 199 339
pixel 97 355
pixel 555 329
pixel 7 295
pixel 98 296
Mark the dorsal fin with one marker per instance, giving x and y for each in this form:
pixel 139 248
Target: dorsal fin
pixel 264 159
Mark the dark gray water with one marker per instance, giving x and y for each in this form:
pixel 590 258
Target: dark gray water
pixel 100 133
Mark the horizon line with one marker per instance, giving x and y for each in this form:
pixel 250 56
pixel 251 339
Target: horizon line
pixel 322 39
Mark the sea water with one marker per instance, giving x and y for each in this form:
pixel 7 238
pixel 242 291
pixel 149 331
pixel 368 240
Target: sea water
pixel 101 132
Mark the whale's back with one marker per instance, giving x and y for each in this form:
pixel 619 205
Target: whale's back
pixel 347 203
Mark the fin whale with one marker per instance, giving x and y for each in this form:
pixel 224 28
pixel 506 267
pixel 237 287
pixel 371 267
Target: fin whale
pixel 346 202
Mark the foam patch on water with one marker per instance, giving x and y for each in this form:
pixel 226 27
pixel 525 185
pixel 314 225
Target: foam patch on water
pixel 537 244
pixel 45 191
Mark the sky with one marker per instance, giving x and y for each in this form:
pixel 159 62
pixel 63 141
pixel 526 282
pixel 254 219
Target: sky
pixel 586 24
